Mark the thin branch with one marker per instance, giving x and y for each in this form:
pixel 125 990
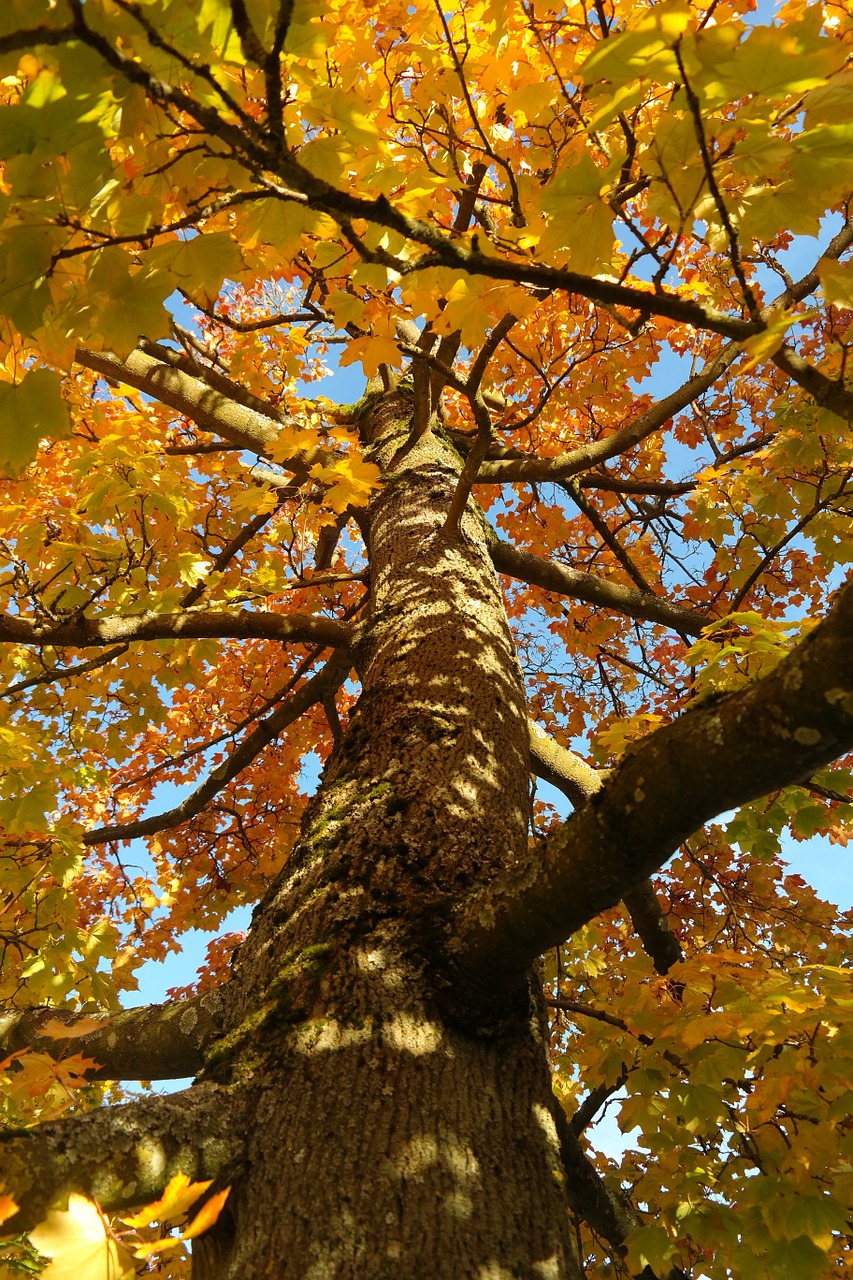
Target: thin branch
pixel 226 555
pixel 826 793
pixel 65 673
pixel 826 392
pixel 772 552
pixel 707 163
pixel 315 690
pixel 597 452
pixel 608 537
pixel 480 448
pixel 586 1010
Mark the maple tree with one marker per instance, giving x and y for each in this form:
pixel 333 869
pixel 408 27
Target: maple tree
pixel 512 558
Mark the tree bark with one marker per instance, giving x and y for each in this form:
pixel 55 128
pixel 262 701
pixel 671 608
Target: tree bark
pixel 393 1139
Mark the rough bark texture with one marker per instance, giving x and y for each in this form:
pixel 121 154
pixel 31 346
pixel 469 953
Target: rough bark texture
pixel 403 1141
pixel 123 1156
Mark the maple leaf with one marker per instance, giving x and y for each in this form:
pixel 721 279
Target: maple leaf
pixel 351 481
pixel 78 1242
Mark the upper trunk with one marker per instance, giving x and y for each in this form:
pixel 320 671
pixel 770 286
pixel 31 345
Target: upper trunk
pixel 392 1141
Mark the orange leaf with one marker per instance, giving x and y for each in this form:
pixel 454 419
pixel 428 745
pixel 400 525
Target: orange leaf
pixel 179 1196
pixel 207 1215
pixel 56 1030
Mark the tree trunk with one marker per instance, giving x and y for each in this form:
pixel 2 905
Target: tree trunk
pixel 402 1128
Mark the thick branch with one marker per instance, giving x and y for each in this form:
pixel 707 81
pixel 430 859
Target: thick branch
pixel 563 769
pixel 195 624
pixel 652 927
pixel 122 1156
pixel 551 576
pixel 606 292
pixel 213 378
pixel 209 408
pixel 721 754
pixel 578 781
pixel 608 1213
pixel 157 1042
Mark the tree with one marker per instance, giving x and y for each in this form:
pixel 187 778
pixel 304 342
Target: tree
pixel 511 557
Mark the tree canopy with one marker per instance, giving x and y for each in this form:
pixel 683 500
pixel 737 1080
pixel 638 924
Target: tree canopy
pixel 602 253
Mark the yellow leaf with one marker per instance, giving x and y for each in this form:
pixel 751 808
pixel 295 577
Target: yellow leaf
pixel 765 344
pixel 78 1242
pixel 645 51
pixel 157 1246
pixel 56 1030
pixel 372 352
pixel 207 1215
pixel 192 568
pixel 179 1196
pixel 836 280
pixel 351 479
pixel 202 1222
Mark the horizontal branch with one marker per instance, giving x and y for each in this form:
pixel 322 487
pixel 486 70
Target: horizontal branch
pixel 156 1042
pixel 315 690
pixel 124 1155
pixel 194 624
pixel 596 289
pixel 549 575
pixel 717 756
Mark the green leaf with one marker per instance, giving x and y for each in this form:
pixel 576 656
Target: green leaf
pixel 836 280
pixel 644 52
pixel 30 410
pixel 579 219
pixel 199 264
pixel 776 61
pixel 25 258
